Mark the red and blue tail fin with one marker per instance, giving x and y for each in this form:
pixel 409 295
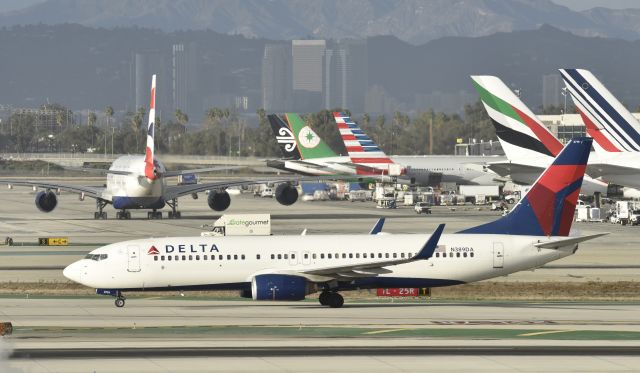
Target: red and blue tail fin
pixel 361 148
pixel 547 209
pixel 149 166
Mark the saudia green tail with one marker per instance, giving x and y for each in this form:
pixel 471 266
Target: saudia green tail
pixel 309 143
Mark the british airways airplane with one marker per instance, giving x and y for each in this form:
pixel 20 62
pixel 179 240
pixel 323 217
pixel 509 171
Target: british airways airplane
pixel 139 182
pixel 289 268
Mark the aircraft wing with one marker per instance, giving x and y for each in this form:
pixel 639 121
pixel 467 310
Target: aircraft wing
pixel 507 168
pixel 88 191
pixel 567 241
pixel 175 191
pixel 372 268
pixel 605 169
pixel 200 170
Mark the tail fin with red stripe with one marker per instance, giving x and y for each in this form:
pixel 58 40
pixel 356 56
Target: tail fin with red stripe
pixel 362 150
pixel 149 167
pixel 548 208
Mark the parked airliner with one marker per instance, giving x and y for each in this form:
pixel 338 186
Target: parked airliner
pixel 139 182
pixel 530 147
pixel 616 132
pixel 306 153
pixel 535 232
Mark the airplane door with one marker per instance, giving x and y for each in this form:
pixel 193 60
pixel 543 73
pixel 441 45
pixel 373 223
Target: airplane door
pixel 133 262
pixel 498 255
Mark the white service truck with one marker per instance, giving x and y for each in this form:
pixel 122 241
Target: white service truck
pixel 241 225
pixel 479 194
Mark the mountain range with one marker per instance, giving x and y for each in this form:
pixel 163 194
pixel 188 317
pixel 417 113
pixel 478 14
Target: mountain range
pixel 413 21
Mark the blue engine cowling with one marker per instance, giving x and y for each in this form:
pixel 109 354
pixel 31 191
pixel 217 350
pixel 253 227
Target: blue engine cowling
pixel 46 201
pixel 280 287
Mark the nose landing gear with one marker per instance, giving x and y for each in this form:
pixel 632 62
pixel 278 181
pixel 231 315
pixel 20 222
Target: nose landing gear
pixel 119 302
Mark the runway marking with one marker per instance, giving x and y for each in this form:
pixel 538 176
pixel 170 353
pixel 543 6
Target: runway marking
pixel 386 331
pixel 544 333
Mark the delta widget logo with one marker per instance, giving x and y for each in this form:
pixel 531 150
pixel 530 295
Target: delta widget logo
pixel 308 138
pixel 153 251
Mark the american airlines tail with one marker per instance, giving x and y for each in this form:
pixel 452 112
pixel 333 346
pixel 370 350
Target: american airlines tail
pixel 362 150
pixel 149 166
pixel 520 132
pixel 612 126
pixel 548 208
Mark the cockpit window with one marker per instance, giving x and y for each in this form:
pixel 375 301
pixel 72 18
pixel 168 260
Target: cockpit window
pixel 96 257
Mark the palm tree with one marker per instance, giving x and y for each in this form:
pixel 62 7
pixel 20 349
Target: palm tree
pixel 108 112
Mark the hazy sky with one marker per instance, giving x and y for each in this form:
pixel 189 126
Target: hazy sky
pixel 588 4
pixel 8 5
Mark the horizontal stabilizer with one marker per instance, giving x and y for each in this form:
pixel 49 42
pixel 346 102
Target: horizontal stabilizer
pixel 200 170
pixel 567 242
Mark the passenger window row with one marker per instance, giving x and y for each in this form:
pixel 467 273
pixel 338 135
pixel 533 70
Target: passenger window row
pixel 176 258
pixel 457 255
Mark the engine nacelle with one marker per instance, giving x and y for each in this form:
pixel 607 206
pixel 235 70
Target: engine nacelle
pixel 46 201
pixel 286 194
pixel 218 200
pixel 280 287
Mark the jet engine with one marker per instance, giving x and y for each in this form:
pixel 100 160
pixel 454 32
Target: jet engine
pixel 280 287
pixel 46 201
pixel 218 200
pixel 286 194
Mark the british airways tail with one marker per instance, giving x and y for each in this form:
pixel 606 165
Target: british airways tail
pixel 149 166
pixel 285 138
pixel 362 150
pixel 612 126
pixel 548 208
pixel 520 132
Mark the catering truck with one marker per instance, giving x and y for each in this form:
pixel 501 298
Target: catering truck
pixel 240 225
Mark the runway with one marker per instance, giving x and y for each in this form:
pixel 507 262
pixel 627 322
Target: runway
pixel 170 332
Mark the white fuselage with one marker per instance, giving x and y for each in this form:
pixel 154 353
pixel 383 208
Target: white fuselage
pixel 134 188
pixel 232 262
pixel 459 169
pixel 535 164
pixel 622 171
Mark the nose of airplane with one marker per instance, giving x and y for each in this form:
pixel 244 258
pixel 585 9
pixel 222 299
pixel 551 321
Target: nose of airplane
pixel 73 272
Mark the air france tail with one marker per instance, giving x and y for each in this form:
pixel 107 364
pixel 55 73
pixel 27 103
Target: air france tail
pixel 612 126
pixel 548 208
pixel 149 166
pixel 362 150
pixel 521 134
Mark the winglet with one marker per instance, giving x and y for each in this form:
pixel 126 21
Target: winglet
pixel 377 228
pixel 430 246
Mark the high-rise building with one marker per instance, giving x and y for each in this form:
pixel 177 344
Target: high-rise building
pixel 551 86
pixel 276 78
pixel 184 79
pixel 307 57
pixel 345 75
pixel 145 64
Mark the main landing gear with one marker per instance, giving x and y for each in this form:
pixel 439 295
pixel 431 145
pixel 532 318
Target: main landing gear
pixel 331 299
pixel 154 214
pixel 124 214
pixel 174 213
pixel 100 214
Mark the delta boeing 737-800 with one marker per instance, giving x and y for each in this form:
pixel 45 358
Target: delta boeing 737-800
pixel 535 232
